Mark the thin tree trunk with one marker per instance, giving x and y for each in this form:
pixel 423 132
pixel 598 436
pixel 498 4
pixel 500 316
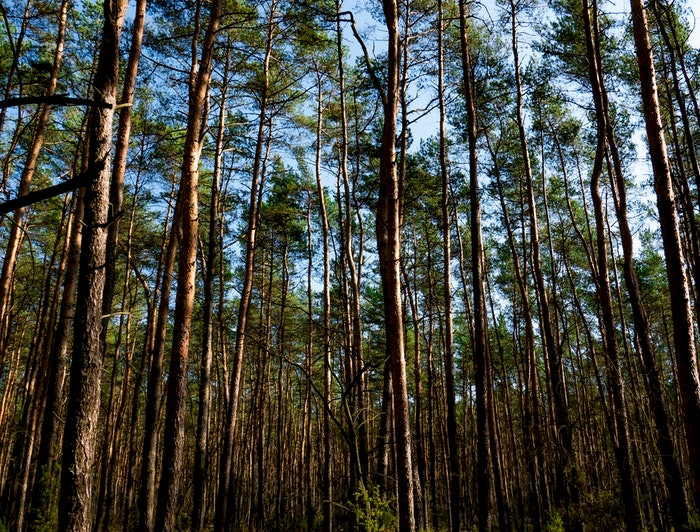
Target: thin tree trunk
pixel 116 191
pixel 147 492
pixel 619 430
pixel 478 293
pixel 17 227
pixel 223 509
pixel 51 428
pixel 567 476
pixel 355 293
pixel 326 488
pixel 202 446
pixel 454 472
pixel 16 47
pixel 174 439
pixel 389 247
pixel 533 435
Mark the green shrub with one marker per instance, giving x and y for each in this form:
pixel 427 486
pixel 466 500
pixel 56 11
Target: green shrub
pixel 555 522
pixel 373 513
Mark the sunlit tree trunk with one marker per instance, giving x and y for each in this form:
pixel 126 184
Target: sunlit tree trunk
pixel 203 423
pixel 188 199
pixel 683 327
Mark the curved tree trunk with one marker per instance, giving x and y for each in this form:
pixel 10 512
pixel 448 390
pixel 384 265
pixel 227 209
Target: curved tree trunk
pixel 619 429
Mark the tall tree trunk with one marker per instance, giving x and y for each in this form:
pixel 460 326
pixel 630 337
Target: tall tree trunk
pixel 223 510
pixel 203 414
pixel 349 258
pixel 389 247
pixel 454 472
pixel 683 328
pixel 326 488
pixel 116 191
pixel 17 227
pixel 147 492
pixel 619 430
pixel 188 210
pixel 75 512
pixel 535 456
pixel 478 292
pixel 16 47
pixel 307 448
pixel 567 476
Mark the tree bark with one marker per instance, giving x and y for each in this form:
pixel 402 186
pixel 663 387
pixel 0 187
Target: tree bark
pixel 75 512
pixel 188 198
pixel 683 328
pixel 478 292
pixel 454 472
pixel 389 247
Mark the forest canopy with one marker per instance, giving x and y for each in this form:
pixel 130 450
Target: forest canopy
pixel 304 265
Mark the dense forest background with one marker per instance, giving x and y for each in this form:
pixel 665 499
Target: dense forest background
pixel 299 265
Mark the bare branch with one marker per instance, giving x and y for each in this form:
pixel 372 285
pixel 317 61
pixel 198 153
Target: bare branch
pixel 57 99
pixel 47 193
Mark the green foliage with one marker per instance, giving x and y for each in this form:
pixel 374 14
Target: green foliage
pixel 555 522
pixel 373 513
pixel 46 510
pixel 693 522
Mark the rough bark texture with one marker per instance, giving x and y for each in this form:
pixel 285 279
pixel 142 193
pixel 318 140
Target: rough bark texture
pixel 75 512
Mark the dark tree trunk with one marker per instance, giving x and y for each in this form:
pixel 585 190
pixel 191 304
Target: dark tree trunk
pixel 389 247
pixel 478 292
pixel 75 508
